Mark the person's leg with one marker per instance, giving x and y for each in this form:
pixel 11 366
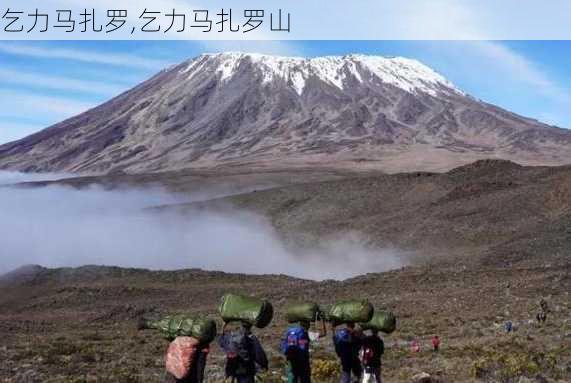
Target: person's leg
pixel 168 378
pixel 203 369
pixel 291 378
pixel 346 376
pixel 357 369
pixel 305 375
pixel 246 379
pixel 345 370
pixel 378 375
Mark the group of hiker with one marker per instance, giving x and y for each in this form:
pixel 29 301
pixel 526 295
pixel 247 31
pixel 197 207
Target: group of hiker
pixel 540 317
pixel 355 327
pixel 355 331
pixel 359 353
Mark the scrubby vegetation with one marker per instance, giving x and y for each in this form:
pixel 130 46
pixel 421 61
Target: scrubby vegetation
pixel 81 326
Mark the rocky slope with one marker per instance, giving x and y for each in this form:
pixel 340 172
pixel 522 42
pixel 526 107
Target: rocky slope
pixel 490 212
pixel 67 325
pixel 230 109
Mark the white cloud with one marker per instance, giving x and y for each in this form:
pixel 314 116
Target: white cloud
pixel 83 55
pixel 14 131
pixel 11 178
pixel 57 226
pixel 22 104
pixel 500 74
pixel 10 76
pixel 43 108
pixel 521 69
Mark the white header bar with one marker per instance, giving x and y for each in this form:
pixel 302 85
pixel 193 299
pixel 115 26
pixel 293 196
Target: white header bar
pixel 285 20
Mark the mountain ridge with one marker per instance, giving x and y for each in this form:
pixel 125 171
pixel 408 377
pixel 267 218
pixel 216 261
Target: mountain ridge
pixel 238 109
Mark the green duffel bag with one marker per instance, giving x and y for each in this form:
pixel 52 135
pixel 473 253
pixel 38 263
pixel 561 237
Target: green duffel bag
pixel 351 311
pixel 203 330
pixel 302 312
pixel 240 308
pixel 384 321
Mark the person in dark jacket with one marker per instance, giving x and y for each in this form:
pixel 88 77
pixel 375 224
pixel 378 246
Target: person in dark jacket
pixel 295 346
pixel 541 317
pixel 508 327
pixel 197 371
pixel 372 350
pixel 348 341
pixel 244 354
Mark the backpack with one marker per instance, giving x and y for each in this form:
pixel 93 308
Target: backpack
pixel 240 355
pixel 295 343
pixel 180 356
pixel 343 336
pixel 367 355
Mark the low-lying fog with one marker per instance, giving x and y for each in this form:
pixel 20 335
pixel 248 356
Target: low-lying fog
pixel 58 226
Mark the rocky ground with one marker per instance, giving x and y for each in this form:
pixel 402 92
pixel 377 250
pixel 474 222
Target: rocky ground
pixel 488 212
pixel 489 241
pixel 79 325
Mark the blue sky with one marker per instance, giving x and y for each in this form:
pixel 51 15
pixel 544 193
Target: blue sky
pixel 45 82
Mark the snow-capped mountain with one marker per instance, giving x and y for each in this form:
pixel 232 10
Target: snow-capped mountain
pixel 403 73
pixel 354 111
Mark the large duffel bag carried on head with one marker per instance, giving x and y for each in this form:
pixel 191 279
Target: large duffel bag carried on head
pixel 203 330
pixel 181 355
pixel 351 311
pixel 302 312
pixel 240 308
pixel 384 321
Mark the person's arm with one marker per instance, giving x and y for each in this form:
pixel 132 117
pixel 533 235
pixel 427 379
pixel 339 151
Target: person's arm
pixel 333 325
pixel 323 330
pixel 283 344
pixel 357 337
pixel 223 339
pixel 260 355
pixel 336 344
pixel 381 347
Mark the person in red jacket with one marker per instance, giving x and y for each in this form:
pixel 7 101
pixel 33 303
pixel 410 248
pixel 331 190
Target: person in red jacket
pixel 415 346
pixel 435 343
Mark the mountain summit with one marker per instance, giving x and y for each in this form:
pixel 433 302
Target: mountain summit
pixel 255 110
pixel 409 75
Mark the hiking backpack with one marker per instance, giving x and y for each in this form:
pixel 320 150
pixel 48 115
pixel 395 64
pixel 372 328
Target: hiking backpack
pixel 240 354
pixel 296 341
pixel 367 355
pixel 343 336
pixel 180 356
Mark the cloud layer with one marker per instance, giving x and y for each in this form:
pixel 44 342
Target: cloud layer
pixel 58 226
